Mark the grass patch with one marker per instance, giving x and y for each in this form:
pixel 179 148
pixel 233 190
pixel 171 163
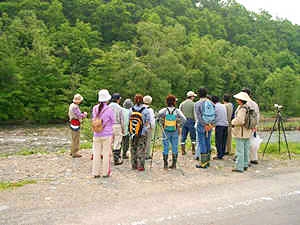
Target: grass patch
pixel 86 145
pixel 25 152
pixel 289 125
pixel 12 185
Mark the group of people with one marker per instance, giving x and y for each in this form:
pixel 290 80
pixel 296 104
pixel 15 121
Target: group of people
pixel 133 125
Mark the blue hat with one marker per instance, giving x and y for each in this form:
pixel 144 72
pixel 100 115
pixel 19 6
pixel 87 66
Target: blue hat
pixel 116 96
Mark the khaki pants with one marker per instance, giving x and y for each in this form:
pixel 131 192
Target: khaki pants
pixel 75 141
pixel 148 143
pixel 229 141
pixel 102 146
pixel 117 137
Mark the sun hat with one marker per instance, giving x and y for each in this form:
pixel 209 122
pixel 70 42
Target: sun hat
pixel 147 99
pixel 191 94
pixel 242 96
pixel 103 95
pixel 77 98
pixel 127 103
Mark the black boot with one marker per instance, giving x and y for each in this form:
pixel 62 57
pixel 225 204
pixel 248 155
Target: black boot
pixel 165 157
pixel 193 148
pixel 174 161
pixel 117 157
pixel 204 163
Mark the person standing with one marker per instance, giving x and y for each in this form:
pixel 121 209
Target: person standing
pixel 241 133
pixel 118 128
pixel 102 140
pixel 138 134
pixel 75 116
pixel 253 105
pixel 221 129
pixel 205 116
pixel 125 140
pixel 171 120
pixel 229 110
pixel 147 101
pixel 187 108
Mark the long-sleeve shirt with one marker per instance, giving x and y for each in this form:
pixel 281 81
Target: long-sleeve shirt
pixel 180 118
pixel 221 115
pixel 108 118
pixel 126 113
pixel 253 105
pixel 198 111
pixel 145 116
pixel 75 113
pixel 152 117
pixel 118 110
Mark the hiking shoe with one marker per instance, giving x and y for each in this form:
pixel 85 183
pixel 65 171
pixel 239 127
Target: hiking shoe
pixel 141 169
pixel 76 155
pixel 217 158
pixel 254 162
pixel 97 176
pixel 245 168
pixel 237 171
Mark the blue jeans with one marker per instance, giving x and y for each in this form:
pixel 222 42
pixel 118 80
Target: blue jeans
pixel 188 127
pixel 170 137
pixel 242 153
pixel 203 140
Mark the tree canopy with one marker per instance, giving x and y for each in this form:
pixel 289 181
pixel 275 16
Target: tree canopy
pixel 53 49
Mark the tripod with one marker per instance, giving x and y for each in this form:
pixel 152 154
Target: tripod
pixel 280 126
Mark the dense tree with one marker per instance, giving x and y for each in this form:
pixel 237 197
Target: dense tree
pixel 50 50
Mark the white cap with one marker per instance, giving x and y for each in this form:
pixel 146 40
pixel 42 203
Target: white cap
pixel 77 98
pixel 147 99
pixel 191 94
pixel 103 95
pixel 242 96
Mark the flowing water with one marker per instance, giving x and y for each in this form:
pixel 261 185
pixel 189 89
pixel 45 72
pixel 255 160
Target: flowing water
pixel 57 137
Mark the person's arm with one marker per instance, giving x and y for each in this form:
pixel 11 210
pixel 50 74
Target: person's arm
pixel 181 116
pixel 152 118
pixel 239 120
pixel 78 113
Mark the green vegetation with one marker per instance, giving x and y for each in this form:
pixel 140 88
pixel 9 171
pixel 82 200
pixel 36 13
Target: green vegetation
pixel 289 125
pixel 12 185
pixel 25 152
pixel 50 50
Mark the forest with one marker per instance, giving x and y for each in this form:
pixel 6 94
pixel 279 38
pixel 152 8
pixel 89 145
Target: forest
pixel 53 49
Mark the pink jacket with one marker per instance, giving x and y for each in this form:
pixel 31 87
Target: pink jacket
pixel 108 120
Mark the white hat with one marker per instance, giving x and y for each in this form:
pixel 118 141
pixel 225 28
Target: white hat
pixel 191 94
pixel 147 99
pixel 77 98
pixel 103 95
pixel 242 96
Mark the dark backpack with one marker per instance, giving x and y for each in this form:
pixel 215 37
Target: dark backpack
pixel 136 122
pixel 251 118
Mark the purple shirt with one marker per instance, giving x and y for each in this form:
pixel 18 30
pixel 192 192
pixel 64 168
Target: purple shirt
pixel 77 112
pixel 108 120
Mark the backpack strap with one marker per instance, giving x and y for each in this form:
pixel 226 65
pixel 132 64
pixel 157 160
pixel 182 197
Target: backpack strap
pixel 141 110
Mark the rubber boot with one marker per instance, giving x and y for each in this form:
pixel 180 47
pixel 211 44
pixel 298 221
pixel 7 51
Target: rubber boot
pixel 117 156
pixel 193 148
pixel 165 157
pixel 183 149
pixel 174 161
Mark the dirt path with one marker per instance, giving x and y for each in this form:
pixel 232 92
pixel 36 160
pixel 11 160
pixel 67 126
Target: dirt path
pixel 64 182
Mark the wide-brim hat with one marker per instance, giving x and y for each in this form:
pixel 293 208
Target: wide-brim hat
pixel 103 95
pixel 77 98
pixel 191 94
pixel 147 99
pixel 242 96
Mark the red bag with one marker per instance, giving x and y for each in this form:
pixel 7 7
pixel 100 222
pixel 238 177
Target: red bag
pixel 75 124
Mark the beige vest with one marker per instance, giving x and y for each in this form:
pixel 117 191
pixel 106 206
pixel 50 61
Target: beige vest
pixel 239 131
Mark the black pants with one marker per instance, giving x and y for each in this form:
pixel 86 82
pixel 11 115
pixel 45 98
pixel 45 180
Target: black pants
pixel 220 140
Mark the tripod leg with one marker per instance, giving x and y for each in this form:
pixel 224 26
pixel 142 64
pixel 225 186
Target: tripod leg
pixel 287 146
pixel 153 147
pixel 279 122
pixel 270 137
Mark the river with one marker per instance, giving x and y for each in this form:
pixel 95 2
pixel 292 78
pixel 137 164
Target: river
pixel 57 137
